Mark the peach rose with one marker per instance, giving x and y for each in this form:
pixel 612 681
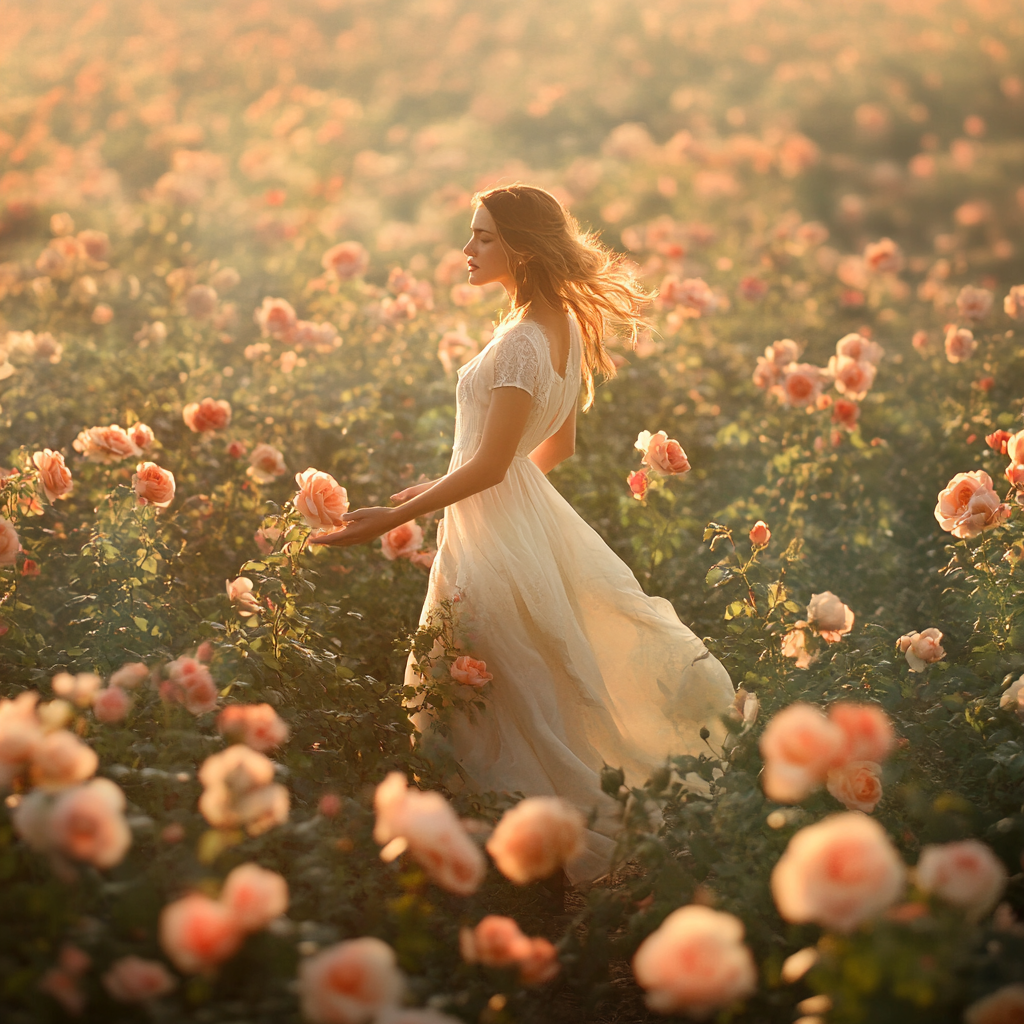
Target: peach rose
pixel 867 731
pixel 131 979
pixel 537 837
pixel 838 873
pixel 225 279
pixel 998 440
pixel 266 463
pixel 189 682
pixel 112 705
pixel 760 535
pixel 968 505
pixel 1004 1006
pixel 693 294
pixel 772 365
pixel 142 435
pixel 130 675
pixel 1010 700
pixel 153 485
pixel 862 349
pixel 695 962
pixel 829 617
pixel 845 414
pixel 794 645
pixel 321 500
pixel 80 689
pixel 799 746
pixel 1013 304
pixel 638 484
pixel 470 672
pixel 973 303
pixel 276 319
pixel 200 302
pixel 801 385
pixel 922 649
pixel 319 336
pixel 240 594
pixel 883 257
pixel 853 378
pixel 401 542
pixel 256 725
pixel 255 896
pixel 857 785
pixel 662 453
pixel 61 759
pixel 87 823
pixel 207 415
pixel 1015 447
pixel 239 791
pixel 542 964
pixel 960 344
pixel 345 260
pixel 966 874
pixel 106 444
pixel 198 933
pixel 95 244
pixel 495 942
pixel 54 476
pixel 20 734
pixel 350 982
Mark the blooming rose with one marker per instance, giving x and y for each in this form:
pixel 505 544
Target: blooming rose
pixel 883 257
pixel 968 505
pixel 799 746
pixel 134 980
pixel 470 672
pixel 801 385
pixel 321 500
pixel 537 837
pixel 106 444
pixel 255 896
pixel 853 378
pixel 541 965
pixel 693 294
pixel 153 485
pixel 838 873
pixel 402 542
pixel 10 545
pixel 495 942
pixel 345 260
pixel 922 649
pixel 200 302
pixel 856 346
pixel 189 682
pixel 960 344
pixel 662 453
pixel 130 675
pixel 771 366
pixel 1004 1006
pixel 856 784
pixel 80 689
pixel 350 982
pixel 638 484
pixel 209 414
pixel 867 730
pixel 198 933
pixel 256 725
pixel 112 705
pixel 794 645
pixel 20 733
pixel 1015 447
pixel 61 759
pixel 695 962
pixel 142 435
pixel 87 823
pixel 239 791
pixel 760 535
pixel 276 318
pixel 845 413
pixel 997 440
pixel 967 874
pixel 1009 700
pixel 432 832
pixel 974 303
pixel 265 464
pixel 1013 304
pixel 309 334
pixel 829 617
pixel 54 476
pixel 240 594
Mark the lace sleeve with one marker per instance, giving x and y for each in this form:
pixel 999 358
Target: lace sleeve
pixel 517 363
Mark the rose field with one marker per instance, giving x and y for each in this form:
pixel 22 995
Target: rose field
pixel 233 304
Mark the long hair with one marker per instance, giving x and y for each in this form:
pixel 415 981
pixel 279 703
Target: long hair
pixel 551 258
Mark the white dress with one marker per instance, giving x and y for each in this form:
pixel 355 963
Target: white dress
pixel 588 670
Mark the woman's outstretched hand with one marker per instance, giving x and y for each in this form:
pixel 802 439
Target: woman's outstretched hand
pixel 361 527
pixel 410 492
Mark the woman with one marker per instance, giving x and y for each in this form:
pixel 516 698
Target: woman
pixel 587 669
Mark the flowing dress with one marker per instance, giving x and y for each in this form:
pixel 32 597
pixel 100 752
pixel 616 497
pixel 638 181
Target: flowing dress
pixel 587 669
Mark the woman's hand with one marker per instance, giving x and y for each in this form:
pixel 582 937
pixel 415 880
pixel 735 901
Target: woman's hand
pixel 361 527
pixel 411 492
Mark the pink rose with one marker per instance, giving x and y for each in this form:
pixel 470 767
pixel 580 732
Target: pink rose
pixel 112 705
pixel 829 617
pixel 541 965
pixel 401 542
pixel 321 500
pixel 54 476
pixel 64 987
pixel 256 725
pixel 695 962
pixel 753 288
pixel 61 759
pixel 198 933
pixel 771 367
pixel 321 337
pixel 1015 447
pixel 153 485
pixel 240 594
pixel 106 444
pixel 266 464
pixel 867 731
pixel 838 873
pixel 239 791
pixel 969 505
pixel 350 982
pixel 662 453
pixel 1004 1006
pixel 845 413
pixel 254 896
pixel 87 824
pixel 495 942
pixel 141 435
pixel 922 649
pixel 130 675
pixel 345 260
pixel 1013 304
pixel 801 385
pixel 276 319
pixel 189 682
pixel 638 484
pixel 134 980
pixel 10 545
pixel 853 378
pixel 960 344
pixel 537 837
pixel 857 785
pixel 200 302
pixel 80 689
pixel 207 415
pixel 973 303
pixel 883 257
pixel 997 441
pixel 760 535
pixel 966 874
pixel 799 746
pixel 470 672
pixel 856 346
pixel 693 294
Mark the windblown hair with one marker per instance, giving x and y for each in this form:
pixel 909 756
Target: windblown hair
pixel 551 258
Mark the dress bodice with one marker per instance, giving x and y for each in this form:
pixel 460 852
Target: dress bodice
pixel 518 356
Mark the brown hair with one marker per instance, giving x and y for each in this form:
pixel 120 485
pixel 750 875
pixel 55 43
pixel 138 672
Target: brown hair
pixel 551 257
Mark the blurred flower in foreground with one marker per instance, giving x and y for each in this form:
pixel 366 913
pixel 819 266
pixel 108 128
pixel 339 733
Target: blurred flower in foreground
pixel 966 874
pixel 960 344
pixel 208 415
pixel 1004 1006
pixel 266 463
pixel 536 838
pixel 131 979
pixel 257 725
pixel 351 982
pixel 239 791
pixel 1013 304
pixel 498 942
pixel 973 303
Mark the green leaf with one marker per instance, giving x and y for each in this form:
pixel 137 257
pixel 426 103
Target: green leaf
pixel 140 623
pixel 717 575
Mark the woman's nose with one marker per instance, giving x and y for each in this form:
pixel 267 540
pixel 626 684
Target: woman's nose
pixel 468 248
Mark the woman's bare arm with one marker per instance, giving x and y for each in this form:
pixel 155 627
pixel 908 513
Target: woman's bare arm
pixel 558 447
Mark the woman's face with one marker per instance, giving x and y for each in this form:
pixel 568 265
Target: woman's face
pixel 485 256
